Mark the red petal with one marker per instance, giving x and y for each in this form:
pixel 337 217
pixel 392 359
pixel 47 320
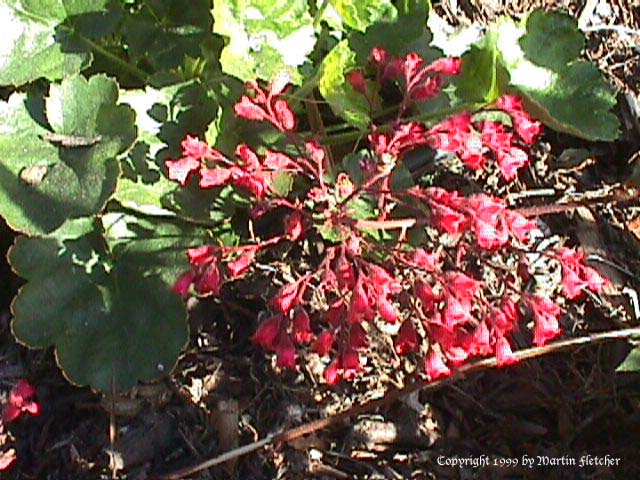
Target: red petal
pixel 285 117
pixel 267 333
pixel 245 108
pixel 324 342
pixel 294 226
pixel 179 170
pixel 240 265
pixel 214 177
pixel 210 281
pixel 183 284
pixel 301 327
pixel 435 367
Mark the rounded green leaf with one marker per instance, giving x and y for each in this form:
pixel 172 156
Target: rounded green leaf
pixel 359 14
pixel 265 37
pixel 539 60
pixel 39 37
pixel 111 325
pixel 47 176
pixel 334 87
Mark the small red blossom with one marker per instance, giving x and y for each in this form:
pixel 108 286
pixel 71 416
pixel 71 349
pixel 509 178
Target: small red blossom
pixel 301 326
pixel 294 226
pixel 545 314
pixel 407 339
pixel 266 106
pixel 287 297
pixel 179 170
pixel 428 261
pixel 504 354
pixel 576 276
pixel 183 284
pixel 357 81
pixel 435 366
pixel 267 332
pixel 324 342
pixel 20 402
pixel 285 351
pixel 241 264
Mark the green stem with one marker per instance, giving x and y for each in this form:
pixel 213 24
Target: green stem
pixel 131 69
pixel 318 16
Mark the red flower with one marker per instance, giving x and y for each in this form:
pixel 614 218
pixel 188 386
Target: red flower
pixel 294 226
pixel 285 119
pixel 267 332
pixel 504 354
pixel 479 342
pixel 357 81
pixel 214 177
pixel 332 372
pixel 286 298
pixel 434 365
pixel 324 342
pixel 241 264
pixel 350 362
pixel 179 170
pixel 246 108
pixel 428 261
pixel 545 314
pixel 202 255
pixel 407 339
pixel 285 351
pixel 183 284
pixel 301 326
pixel 20 401
pixel 576 275
pixel 445 66
pixel 210 280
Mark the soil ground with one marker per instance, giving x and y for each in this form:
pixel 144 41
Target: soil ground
pixel 225 393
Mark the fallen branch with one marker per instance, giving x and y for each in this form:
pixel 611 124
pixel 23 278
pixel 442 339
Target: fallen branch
pixel 461 373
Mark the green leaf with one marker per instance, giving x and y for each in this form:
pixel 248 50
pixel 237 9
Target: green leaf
pixel 552 39
pixel 359 14
pixel 478 81
pixel 282 184
pixel 568 94
pixel 405 34
pixel 334 87
pixel 631 363
pixel 152 246
pixel 43 183
pixel 266 37
pixel 40 39
pixel 163 33
pixel 163 117
pixel 110 324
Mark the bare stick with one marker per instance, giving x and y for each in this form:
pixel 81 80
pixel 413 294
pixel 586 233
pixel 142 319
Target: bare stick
pixel 463 372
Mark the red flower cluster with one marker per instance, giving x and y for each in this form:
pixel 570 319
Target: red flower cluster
pixel 266 106
pixel 20 402
pixel 493 223
pixel 471 140
pixel 442 313
pixel 577 276
pixel 252 173
pixel 421 82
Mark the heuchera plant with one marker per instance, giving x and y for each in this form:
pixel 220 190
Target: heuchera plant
pixel 436 291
